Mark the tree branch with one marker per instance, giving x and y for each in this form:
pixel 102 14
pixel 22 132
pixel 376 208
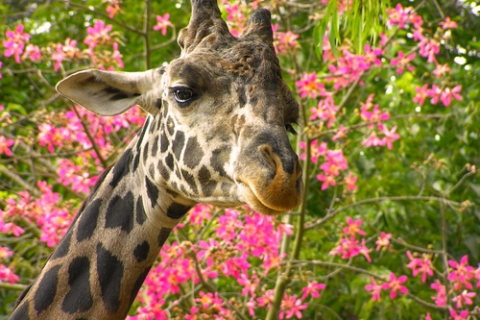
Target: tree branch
pixel 373 200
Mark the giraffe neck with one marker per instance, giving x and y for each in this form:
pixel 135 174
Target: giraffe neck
pixel 98 268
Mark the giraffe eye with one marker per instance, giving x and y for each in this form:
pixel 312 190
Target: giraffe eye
pixel 183 94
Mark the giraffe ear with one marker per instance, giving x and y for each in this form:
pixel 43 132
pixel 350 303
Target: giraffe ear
pixel 112 93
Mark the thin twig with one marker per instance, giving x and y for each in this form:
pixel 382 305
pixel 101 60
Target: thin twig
pixel 14 177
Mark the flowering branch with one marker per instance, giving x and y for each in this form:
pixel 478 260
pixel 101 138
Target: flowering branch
pixel 372 200
pixel 359 270
pixel 102 14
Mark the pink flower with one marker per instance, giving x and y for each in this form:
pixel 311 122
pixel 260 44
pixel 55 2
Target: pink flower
pixel 58 56
pixel 448 24
pixel 461 273
pixel 372 141
pixel 249 285
pixel 286 40
pixel 372 54
pixel 365 251
pixel 117 56
pixel 309 85
pixel 383 240
pixel 335 162
pixel 312 289
pixel 5 252
pixel 315 151
pixel 52 137
pixel 32 52
pixel 266 299
pixel 350 181
pixel 464 298
pixel 389 135
pixel 441 69
pixel 353 227
pixel 422 94
pixel 375 289
pixel 395 285
pixel 371 112
pixel 441 297
pixel 163 23
pixel 7 275
pixel 327 180
pixel 5 145
pixel 340 134
pixel 447 95
pixel 458 316
pixel 435 93
pixel 402 16
pixel 326 109
pixel 15 42
pixel 98 34
pixel 402 61
pixel 113 8
pixel 62 52
pixel 423 266
pixel 429 48
pixel 10 227
pixel 348 248
pixel 290 307
pixel 209 300
pixel 234 12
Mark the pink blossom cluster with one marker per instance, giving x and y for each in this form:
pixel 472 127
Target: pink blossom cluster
pixel 44 211
pixel 349 67
pixel 70 174
pixel 67 51
pixel 72 131
pixel 349 246
pixel 16 45
pixel 380 134
pixel 6 274
pixel 429 47
pixel 284 41
pixel 461 282
pixel 15 42
pixel 236 18
pixel 393 283
pixel 5 145
pixel 334 163
pixel 233 243
pixel 113 7
pixel 444 94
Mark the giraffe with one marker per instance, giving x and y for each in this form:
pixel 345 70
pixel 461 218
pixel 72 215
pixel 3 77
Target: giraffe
pixel 216 133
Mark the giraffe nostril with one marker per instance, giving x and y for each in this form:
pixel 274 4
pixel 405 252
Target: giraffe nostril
pixel 267 151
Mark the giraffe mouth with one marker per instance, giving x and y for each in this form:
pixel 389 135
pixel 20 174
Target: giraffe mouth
pixel 259 202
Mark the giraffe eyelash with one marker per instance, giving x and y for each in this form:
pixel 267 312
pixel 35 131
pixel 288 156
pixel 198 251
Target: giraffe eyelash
pixel 290 129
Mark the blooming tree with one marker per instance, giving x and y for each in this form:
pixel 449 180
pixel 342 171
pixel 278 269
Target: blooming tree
pixel 388 139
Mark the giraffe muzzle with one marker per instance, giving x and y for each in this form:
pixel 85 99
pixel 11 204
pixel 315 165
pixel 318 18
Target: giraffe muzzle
pixel 275 185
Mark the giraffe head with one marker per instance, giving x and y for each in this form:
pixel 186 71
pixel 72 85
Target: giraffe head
pixel 221 113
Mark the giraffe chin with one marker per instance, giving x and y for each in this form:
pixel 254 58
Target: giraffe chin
pixel 256 203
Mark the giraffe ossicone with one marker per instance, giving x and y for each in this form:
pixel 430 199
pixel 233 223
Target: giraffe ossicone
pixel 216 133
